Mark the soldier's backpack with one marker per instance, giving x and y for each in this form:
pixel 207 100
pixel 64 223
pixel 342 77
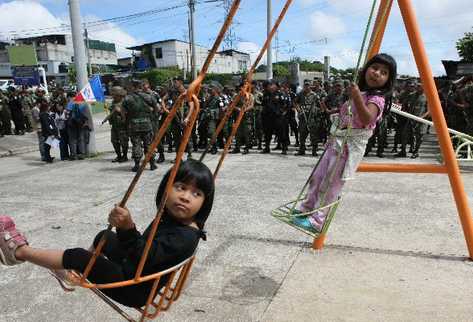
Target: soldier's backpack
pixel 77 118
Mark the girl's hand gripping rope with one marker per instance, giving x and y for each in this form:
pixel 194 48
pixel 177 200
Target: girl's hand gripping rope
pixel 121 218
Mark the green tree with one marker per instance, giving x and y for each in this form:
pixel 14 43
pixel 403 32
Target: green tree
pixel 465 47
pixel 280 70
pixel 159 77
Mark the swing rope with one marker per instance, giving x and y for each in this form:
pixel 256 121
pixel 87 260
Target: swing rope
pixel 245 91
pixel 243 94
pixel 329 179
pixel 191 96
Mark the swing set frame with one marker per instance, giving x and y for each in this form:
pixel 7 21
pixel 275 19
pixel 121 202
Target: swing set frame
pixel 450 165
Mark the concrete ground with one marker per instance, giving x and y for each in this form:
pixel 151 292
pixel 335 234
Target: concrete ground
pixel 395 250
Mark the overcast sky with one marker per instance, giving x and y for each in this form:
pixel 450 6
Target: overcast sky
pixel 311 30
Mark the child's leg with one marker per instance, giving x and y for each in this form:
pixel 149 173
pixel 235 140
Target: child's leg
pixel 318 178
pixel 51 259
pixel 332 191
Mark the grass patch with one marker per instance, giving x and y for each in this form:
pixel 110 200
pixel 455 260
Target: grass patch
pixel 97 107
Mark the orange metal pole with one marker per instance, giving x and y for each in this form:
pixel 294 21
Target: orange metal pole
pixel 384 12
pixel 402 168
pixel 318 242
pixel 435 109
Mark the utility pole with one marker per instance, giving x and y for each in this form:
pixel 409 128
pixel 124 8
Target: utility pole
pixel 192 35
pixel 79 60
pixel 269 64
pixel 86 34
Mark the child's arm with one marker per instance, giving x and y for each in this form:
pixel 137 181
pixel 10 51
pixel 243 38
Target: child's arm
pixel 367 112
pixel 168 248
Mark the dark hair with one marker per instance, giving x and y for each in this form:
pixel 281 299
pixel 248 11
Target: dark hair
pixel 193 172
pixel 387 89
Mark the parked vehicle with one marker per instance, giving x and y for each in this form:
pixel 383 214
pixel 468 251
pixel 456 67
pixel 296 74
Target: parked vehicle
pixel 6 83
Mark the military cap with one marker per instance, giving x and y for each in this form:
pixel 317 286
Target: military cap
pixel 136 82
pixel 216 85
pixel 118 90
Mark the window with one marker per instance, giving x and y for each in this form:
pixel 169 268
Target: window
pixel 158 53
pixel 242 65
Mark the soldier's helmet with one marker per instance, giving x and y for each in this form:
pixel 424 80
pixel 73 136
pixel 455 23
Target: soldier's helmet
pixel 216 85
pixel 118 91
pixel 136 83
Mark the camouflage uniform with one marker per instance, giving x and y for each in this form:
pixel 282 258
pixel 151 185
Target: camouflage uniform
pixel 417 105
pixel 255 119
pixel 154 101
pixel 138 119
pixel 119 132
pixel 401 122
pixel 243 132
pixel 5 116
pixel 215 107
pixel 331 101
pixel 467 93
pixel 203 124
pixel 274 119
pixel 308 112
pixel 27 103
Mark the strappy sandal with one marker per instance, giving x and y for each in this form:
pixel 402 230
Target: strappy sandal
pixel 10 240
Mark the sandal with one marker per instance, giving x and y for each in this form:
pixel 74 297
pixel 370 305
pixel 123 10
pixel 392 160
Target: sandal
pixel 64 278
pixel 10 240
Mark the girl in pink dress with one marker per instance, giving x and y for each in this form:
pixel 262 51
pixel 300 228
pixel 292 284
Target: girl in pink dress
pixel 370 99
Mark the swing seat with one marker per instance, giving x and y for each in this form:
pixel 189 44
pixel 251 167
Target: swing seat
pixel 286 214
pixel 168 294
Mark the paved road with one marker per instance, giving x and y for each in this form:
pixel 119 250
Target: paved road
pixel 395 251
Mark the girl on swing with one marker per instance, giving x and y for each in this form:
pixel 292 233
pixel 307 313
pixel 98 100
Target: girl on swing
pixel 370 99
pixel 187 208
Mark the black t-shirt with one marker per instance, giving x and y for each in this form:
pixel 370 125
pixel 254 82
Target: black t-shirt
pixel 172 244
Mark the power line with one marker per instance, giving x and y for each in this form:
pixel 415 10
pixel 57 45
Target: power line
pixel 120 19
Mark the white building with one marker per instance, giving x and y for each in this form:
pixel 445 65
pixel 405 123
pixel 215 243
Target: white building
pixel 173 52
pixel 56 52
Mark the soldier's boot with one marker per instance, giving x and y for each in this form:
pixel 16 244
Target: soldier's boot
pixel 415 152
pixel 278 146
pixel 213 150
pixel 284 149
pixel 266 149
pixel 136 166
pixel 152 165
pixel 301 150
pixel 236 149
pixel 117 149
pixel 401 154
pixel 259 146
pixel 314 151
pixel 246 150
pixel 161 157
pixel 124 157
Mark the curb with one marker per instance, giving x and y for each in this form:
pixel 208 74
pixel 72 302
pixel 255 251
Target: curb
pixel 9 153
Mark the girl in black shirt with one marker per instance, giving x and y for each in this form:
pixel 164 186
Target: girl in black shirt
pixel 187 208
pixel 48 128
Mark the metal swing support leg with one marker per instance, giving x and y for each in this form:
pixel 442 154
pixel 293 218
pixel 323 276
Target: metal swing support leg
pixel 451 165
